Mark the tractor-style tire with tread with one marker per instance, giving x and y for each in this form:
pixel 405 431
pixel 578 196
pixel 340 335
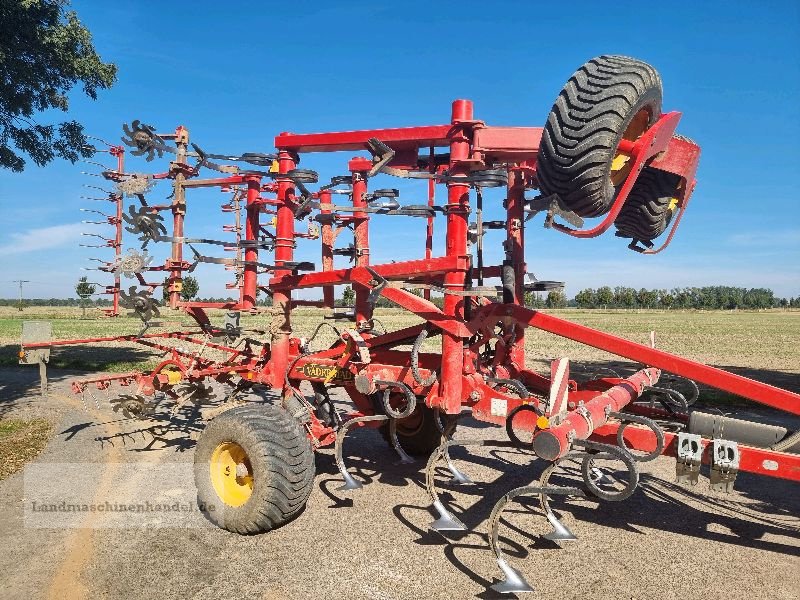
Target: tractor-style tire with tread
pixel 280 460
pixel 593 112
pixel 420 439
pixel 649 208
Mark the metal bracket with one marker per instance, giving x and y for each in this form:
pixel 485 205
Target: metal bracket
pixel 555 208
pixel 724 465
pixel 689 455
pixel 375 292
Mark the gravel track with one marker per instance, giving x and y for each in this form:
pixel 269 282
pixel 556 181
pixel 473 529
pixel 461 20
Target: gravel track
pixel 664 542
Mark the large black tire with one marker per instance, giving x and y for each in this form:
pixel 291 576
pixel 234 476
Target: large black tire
pixel 648 210
pixel 608 98
pixel 278 468
pixel 418 434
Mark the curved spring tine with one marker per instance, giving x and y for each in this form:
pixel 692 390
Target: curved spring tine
pixel 560 533
pixel 458 478
pixel 405 459
pixel 349 482
pixel 446 521
pixel 514 582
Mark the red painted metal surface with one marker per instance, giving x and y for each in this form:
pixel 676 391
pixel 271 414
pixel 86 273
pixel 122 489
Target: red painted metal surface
pixel 713 377
pixel 555 442
pixel 482 341
pixel 759 461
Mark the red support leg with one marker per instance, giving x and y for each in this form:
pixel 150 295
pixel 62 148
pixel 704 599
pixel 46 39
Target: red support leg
pixel 252 227
pixel 457 214
pixel 284 251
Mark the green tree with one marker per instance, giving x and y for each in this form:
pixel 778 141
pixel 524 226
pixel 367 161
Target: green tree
pixel 665 299
pixel 45 52
pixel 84 289
pixel 556 299
pixel 348 296
pixel 624 297
pixel 189 290
pixel 586 298
pixel 605 296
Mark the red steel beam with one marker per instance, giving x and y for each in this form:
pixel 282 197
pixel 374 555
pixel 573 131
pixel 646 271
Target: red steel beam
pixel 396 138
pixel 555 442
pixel 456 247
pixel 284 251
pixel 760 461
pixel 735 384
pixel 393 271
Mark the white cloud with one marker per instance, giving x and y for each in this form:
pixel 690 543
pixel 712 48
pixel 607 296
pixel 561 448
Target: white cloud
pixel 42 238
pixel 769 238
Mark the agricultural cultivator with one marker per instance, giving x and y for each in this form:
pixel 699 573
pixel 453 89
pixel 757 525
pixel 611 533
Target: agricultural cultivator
pixel 607 152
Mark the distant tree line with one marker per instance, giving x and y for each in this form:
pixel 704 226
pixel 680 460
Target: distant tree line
pixel 55 302
pixel 709 298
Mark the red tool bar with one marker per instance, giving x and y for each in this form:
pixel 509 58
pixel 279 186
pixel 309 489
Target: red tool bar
pixel 401 138
pixel 116 338
pixel 399 270
pixel 553 443
pixel 711 376
pixel 752 460
pixel 517 144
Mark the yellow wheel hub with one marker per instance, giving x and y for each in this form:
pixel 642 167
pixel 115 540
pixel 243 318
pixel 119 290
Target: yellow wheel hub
pixel 620 165
pixel 231 474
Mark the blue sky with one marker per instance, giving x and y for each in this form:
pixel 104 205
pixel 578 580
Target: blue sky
pixel 236 74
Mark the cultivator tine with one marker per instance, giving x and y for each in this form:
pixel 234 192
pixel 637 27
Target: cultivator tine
pixel 445 521
pixel 405 459
pixel 459 478
pixel 447 435
pixel 560 533
pixel 349 482
pixel 514 582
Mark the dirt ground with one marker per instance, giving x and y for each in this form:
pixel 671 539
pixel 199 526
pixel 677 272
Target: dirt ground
pixel 665 541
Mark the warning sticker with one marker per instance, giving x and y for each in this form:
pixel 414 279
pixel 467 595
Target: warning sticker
pixel 499 407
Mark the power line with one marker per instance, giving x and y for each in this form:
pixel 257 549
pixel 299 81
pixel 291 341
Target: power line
pixel 20 282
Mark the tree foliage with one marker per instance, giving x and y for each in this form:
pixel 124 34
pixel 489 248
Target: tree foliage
pixel 84 289
pixel 189 290
pixel 348 296
pixel 712 297
pixel 556 299
pixel 45 52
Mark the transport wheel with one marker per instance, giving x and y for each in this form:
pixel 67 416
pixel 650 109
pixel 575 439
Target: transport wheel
pixel 648 210
pixel 253 468
pixel 418 433
pixel 608 99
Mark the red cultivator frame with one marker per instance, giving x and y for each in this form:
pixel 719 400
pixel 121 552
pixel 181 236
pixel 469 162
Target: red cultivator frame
pixel 606 151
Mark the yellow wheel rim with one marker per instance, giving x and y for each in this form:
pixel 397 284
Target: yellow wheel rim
pixel 621 165
pixel 231 474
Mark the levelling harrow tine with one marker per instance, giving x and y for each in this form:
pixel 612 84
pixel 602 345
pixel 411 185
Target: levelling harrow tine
pixel 514 582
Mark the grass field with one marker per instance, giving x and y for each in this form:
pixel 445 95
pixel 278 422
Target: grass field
pixel 763 345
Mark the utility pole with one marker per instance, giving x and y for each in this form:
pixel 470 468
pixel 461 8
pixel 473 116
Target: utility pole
pixel 20 282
